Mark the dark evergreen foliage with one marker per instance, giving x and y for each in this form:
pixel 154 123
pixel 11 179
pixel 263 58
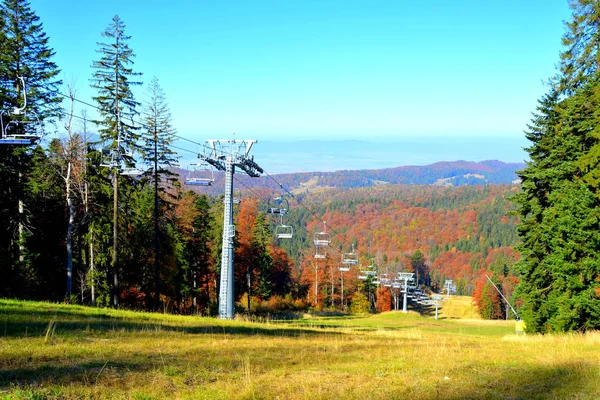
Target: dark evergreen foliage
pixel 559 201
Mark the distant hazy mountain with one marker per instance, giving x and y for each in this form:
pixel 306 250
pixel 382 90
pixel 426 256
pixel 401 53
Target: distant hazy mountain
pixel 454 173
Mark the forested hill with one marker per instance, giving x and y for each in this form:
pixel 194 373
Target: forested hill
pixel 447 173
pixel 442 173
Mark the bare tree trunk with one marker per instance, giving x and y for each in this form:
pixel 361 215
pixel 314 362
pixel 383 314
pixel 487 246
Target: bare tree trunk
pixel 332 287
pixel 69 154
pixel 86 201
pixel 69 237
pixel 316 284
pixel 92 269
pixel 156 266
pixel 21 225
pixel 115 259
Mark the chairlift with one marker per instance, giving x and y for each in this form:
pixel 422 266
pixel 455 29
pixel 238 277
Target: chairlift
pixel 127 171
pixel 278 205
pixel 283 231
pixel 350 258
pixel 385 280
pixel 369 272
pixel 362 274
pixel 322 238
pixel 237 196
pixel 200 175
pixel 108 158
pixel 320 252
pixel 371 269
pixel 20 129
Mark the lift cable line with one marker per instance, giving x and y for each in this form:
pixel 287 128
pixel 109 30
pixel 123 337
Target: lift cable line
pixel 207 148
pixel 141 124
pixel 505 299
pixel 220 158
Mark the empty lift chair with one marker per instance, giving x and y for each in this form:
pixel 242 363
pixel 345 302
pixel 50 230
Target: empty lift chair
pixel 20 127
pixel 200 175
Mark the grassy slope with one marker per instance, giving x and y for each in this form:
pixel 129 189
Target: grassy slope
pixel 99 353
pixel 459 307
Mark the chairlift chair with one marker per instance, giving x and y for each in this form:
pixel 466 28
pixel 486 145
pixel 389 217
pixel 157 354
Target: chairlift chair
pixel 350 258
pixel 237 196
pixel 108 158
pixel 322 238
pixel 284 232
pixel 21 129
pixel 131 171
pixel 362 274
pixel 320 252
pixel 206 178
pixel 278 205
pixel 371 269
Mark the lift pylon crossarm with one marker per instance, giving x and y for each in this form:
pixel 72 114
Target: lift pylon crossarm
pixel 251 168
pixel 215 163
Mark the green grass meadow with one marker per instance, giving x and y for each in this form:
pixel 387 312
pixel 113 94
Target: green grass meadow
pixel 53 351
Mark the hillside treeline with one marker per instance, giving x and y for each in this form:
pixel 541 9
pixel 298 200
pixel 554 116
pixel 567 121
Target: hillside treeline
pixel 460 233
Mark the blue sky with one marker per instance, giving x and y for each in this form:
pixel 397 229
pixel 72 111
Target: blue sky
pixel 319 69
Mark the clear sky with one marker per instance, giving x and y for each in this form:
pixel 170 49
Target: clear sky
pixel 289 70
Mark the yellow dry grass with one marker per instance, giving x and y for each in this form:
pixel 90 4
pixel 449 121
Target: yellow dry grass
pixel 459 307
pixel 109 354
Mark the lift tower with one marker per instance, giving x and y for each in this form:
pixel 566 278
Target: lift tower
pixel 225 155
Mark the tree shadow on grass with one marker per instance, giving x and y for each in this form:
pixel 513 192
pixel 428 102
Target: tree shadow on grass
pixel 87 373
pixel 20 323
pixel 567 381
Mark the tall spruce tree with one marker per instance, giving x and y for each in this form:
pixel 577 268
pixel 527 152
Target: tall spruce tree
pixel 158 137
pixel 261 260
pixel 113 81
pixel 581 57
pixel 559 201
pixel 24 54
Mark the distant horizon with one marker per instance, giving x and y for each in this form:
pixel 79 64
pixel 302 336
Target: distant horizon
pixel 299 156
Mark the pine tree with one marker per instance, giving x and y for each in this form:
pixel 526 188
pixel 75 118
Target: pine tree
pixel 26 53
pixel 25 57
pixel 581 58
pixel 261 260
pixel 195 264
pixel 559 208
pixel 112 80
pixel 158 138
